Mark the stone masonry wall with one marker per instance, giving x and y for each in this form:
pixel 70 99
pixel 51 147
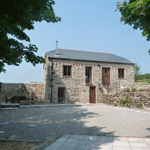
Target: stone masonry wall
pixel 34 91
pixel 76 90
pixel 128 99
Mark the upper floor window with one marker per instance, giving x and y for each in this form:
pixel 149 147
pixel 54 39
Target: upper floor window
pixel 120 73
pixel 88 74
pixel 67 71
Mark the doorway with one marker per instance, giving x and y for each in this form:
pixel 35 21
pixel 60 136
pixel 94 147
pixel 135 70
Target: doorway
pixel 61 95
pixel 106 76
pixel 92 95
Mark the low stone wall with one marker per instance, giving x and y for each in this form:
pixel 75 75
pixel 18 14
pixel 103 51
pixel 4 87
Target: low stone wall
pixel 139 99
pixel 32 91
pixel 136 87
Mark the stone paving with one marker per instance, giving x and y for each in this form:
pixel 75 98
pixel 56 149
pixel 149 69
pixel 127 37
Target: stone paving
pixel 85 142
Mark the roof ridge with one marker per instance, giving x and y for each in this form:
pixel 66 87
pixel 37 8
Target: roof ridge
pixel 83 51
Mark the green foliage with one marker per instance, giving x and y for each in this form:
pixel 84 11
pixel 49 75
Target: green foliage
pixel 136 13
pixel 136 69
pixel 127 90
pixel 126 101
pixel 134 89
pixel 16 17
pixel 141 90
pixel 33 82
pixel 139 105
pixel 115 104
pixel 142 76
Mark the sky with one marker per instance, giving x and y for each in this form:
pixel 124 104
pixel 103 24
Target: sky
pixel 85 25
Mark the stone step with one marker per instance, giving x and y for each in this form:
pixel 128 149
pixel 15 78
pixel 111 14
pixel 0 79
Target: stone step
pixel 10 104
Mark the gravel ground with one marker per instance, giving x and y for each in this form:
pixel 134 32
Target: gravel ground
pixel 87 120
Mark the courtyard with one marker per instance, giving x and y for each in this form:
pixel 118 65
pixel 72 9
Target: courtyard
pixel 102 120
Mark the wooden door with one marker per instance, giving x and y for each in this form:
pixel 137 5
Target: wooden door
pixel 106 76
pixel 92 95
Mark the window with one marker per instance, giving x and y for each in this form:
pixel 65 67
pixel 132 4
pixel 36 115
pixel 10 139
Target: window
pixel 88 75
pixel 120 73
pixel 67 71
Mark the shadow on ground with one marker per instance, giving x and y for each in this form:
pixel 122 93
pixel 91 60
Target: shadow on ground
pixel 49 121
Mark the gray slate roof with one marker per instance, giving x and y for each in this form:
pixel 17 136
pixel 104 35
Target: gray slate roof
pixel 87 56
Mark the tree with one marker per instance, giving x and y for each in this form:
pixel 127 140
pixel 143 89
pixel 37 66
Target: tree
pixel 15 17
pixel 136 13
pixel 136 69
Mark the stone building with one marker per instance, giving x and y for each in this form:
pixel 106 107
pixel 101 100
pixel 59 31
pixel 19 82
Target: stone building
pixel 72 76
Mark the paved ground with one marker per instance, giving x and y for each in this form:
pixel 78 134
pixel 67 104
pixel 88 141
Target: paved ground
pixel 82 120
pixel 81 142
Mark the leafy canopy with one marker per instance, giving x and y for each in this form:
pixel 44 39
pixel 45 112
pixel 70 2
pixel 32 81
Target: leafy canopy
pixel 17 16
pixel 136 69
pixel 136 13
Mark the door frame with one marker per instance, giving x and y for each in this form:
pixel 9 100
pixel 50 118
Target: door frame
pixel 90 94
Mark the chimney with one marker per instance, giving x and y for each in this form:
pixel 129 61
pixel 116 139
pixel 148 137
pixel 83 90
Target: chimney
pixel 56 47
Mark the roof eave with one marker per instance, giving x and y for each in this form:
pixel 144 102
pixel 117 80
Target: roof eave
pixel 92 60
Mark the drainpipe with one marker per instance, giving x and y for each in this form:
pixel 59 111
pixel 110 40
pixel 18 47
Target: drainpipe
pixel 51 79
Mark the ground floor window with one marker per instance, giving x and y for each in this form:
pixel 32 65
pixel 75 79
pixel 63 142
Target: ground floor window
pixel 61 95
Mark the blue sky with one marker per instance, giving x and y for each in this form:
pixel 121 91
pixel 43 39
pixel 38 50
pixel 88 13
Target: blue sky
pixel 86 25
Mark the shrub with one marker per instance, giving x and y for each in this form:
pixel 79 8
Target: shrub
pixel 126 101
pixel 134 89
pixel 127 90
pixel 142 76
pixel 139 105
pixel 141 90
pixel 115 104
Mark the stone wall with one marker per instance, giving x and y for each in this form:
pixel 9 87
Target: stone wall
pixel 128 99
pixel 76 90
pixel 32 91
pixel 136 87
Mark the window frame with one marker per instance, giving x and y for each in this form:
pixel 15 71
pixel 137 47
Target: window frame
pixel 67 71
pixel 121 77
pixel 91 74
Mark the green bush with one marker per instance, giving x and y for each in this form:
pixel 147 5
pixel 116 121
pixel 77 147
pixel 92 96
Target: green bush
pixel 142 77
pixel 115 104
pixel 126 101
pixel 134 89
pixel 142 90
pixel 127 90
pixel 139 105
